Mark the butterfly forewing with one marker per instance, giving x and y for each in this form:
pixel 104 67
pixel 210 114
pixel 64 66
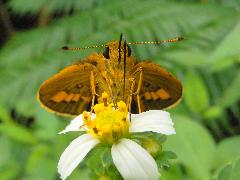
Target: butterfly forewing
pixel 159 88
pixel 69 91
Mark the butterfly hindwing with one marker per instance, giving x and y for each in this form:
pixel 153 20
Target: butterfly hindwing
pixel 68 92
pixel 159 89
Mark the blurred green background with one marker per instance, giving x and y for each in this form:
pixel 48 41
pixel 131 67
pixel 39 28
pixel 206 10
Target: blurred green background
pixel 207 62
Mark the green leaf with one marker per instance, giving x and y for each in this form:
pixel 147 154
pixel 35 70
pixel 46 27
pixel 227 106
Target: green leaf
pixel 195 94
pixel 231 95
pixel 231 171
pixel 4 115
pixel 193 145
pixel 190 58
pixel 5 151
pixel 48 125
pixel 81 172
pixel 26 6
pixel 213 112
pixel 225 173
pixel 53 6
pixel 10 171
pixel 40 158
pixel 18 133
pixel 174 172
pixel 228 49
pixel 227 150
pixel 236 170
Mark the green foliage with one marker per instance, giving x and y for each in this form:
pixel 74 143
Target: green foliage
pixel 230 171
pixel 231 94
pixel 196 93
pixel 175 171
pixel 227 151
pixel 36 163
pixel 225 173
pixel 207 62
pixel 36 53
pixel 17 133
pixel 194 147
pixel 227 50
pixel 52 6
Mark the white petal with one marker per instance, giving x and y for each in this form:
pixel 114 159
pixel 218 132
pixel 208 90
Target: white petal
pixel 75 153
pixel 153 120
pixel 134 162
pixel 75 124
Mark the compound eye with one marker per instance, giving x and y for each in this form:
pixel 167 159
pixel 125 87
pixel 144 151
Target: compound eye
pixel 106 53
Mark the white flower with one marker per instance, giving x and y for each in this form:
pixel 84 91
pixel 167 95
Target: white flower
pixel 130 159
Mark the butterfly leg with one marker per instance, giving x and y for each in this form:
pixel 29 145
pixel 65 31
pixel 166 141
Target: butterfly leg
pixel 132 80
pixel 92 82
pixel 137 93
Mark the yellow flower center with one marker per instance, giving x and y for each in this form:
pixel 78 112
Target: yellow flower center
pixel 110 123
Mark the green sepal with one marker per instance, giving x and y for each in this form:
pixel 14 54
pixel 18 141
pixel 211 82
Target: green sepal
pixel 106 158
pixel 139 137
pixel 163 158
pixel 100 164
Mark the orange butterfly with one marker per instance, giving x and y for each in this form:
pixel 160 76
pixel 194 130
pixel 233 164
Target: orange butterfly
pixel 141 84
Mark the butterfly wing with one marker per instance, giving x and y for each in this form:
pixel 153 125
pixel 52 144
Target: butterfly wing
pixel 159 89
pixel 68 92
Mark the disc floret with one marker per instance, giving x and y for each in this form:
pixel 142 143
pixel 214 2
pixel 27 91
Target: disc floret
pixel 110 123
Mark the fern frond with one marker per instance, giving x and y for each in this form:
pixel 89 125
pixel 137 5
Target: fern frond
pixel 52 6
pixel 35 55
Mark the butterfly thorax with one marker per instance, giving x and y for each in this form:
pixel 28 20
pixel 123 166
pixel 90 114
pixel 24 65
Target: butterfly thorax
pixel 112 73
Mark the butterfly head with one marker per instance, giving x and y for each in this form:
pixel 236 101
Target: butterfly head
pixel 116 51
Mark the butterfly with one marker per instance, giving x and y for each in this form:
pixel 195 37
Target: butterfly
pixel 143 85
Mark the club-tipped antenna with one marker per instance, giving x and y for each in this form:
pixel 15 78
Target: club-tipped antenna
pixel 124 66
pixel 119 48
pixel 159 42
pixel 83 48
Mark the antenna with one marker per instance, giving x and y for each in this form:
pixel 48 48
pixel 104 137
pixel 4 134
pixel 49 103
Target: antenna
pixel 119 48
pixel 159 42
pixel 124 66
pixel 83 48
